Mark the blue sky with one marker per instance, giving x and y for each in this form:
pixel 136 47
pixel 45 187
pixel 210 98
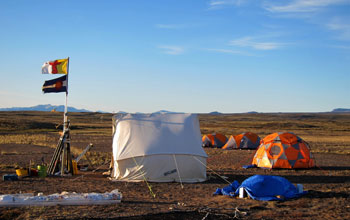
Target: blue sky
pixel 180 55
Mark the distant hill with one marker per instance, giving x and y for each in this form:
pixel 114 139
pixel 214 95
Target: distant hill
pixel 166 112
pixel 341 110
pixel 45 108
pixel 252 112
pixel 215 113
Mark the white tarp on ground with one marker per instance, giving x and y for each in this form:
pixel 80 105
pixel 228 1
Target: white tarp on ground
pixel 159 147
pixel 64 198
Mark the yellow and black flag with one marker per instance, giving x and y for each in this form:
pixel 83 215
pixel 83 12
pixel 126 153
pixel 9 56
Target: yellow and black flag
pixel 59 66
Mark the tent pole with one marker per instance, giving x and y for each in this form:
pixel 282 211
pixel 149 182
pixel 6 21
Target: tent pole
pixel 178 171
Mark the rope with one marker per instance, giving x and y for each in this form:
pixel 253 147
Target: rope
pixel 206 215
pixel 212 170
pixel 178 171
pixel 324 171
pixel 148 185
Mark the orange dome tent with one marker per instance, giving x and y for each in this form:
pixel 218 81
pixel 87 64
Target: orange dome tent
pixel 214 140
pixel 245 140
pixel 283 150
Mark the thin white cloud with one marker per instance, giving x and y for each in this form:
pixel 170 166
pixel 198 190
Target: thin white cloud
pixel 341 47
pixel 296 6
pixel 252 43
pixel 339 25
pixel 315 12
pixel 224 2
pixel 216 4
pixel 227 51
pixel 171 26
pixel 172 50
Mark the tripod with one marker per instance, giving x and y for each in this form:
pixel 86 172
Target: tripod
pixel 62 159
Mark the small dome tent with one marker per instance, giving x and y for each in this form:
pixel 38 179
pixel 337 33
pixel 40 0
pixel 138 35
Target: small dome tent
pixel 214 140
pixel 283 150
pixel 247 140
pixel 161 147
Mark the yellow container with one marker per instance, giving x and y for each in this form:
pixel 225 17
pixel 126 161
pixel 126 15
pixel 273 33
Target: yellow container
pixel 75 167
pixel 22 172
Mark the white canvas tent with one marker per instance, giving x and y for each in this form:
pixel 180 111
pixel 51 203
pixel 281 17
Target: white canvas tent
pixel 158 148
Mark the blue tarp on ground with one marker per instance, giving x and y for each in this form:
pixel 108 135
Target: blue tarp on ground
pixel 261 187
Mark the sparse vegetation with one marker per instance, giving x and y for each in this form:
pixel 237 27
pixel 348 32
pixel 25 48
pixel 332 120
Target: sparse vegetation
pixel 27 137
pixel 34 139
pixel 9 152
pixel 99 158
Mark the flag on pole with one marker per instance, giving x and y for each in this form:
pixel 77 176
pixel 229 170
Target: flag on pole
pixel 55 66
pixel 55 85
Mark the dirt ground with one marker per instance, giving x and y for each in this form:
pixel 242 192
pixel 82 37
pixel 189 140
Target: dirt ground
pixel 328 187
pixel 328 197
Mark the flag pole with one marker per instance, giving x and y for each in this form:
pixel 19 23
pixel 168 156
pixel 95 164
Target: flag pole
pixel 65 126
pixel 66 159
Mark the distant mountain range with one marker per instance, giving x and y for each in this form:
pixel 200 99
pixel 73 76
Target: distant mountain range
pixel 45 108
pixel 60 108
pixel 341 110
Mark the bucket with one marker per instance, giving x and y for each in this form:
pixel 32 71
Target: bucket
pixel 41 171
pixel 22 172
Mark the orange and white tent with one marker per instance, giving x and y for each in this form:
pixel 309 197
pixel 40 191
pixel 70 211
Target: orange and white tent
pixel 214 140
pixel 247 140
pixel 283 150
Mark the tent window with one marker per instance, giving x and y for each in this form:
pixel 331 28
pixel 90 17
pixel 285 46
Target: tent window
pixel 275 150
